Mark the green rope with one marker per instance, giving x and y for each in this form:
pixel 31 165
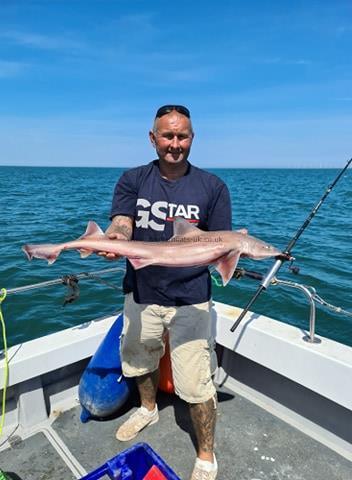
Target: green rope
pixel 3 476
pixel 216 282
pixel 6 366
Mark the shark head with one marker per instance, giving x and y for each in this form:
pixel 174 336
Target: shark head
pixel 257 249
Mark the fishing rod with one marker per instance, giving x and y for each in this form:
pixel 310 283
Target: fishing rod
pixel 287 253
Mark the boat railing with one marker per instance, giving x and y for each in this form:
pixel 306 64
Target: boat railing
pixel 71 281
pixel 309 292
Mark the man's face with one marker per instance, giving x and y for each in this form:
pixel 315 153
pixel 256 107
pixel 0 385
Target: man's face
pixel 172 138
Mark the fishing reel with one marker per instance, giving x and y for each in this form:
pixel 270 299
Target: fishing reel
pixel 294 269
pixel 241 272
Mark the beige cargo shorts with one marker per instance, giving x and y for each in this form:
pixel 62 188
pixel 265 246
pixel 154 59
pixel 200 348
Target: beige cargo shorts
pixel 192 352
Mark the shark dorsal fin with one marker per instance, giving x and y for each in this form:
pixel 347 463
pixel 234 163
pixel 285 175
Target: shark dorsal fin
pixel 92 230
pixel 182 227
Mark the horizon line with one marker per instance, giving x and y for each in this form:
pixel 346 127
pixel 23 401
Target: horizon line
pixel 204 168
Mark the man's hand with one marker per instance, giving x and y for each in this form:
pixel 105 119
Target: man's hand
pixel 110 255
pixel 121 228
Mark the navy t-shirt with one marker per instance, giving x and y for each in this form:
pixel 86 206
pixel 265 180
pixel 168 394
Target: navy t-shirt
pixel 200 197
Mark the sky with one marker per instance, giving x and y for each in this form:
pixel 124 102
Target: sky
pixel 268 83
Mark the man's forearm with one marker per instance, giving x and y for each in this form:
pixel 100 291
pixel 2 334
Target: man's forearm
pixel 121 225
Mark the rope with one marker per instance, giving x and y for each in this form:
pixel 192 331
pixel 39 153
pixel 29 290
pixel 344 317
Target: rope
pixel 216 281
pixel 6 366
pixel 62 280
pixel 330 306
pixel 104 282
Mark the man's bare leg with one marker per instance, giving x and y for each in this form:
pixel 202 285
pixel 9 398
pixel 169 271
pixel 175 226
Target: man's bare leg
pixel 203 417
pixel 147 387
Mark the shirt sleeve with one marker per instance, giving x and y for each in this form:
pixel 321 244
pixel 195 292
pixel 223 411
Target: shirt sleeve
pixel 124 198
pixel 220 214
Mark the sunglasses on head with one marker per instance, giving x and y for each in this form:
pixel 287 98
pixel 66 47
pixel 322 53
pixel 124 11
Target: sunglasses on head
pixel 170 108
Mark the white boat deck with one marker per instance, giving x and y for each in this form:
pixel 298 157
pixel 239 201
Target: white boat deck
pixel 250 444
pixel 278 417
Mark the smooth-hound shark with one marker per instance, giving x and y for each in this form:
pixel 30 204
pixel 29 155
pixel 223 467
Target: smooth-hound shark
pixel 189 246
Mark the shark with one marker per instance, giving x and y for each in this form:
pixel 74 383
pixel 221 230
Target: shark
pixel 189 246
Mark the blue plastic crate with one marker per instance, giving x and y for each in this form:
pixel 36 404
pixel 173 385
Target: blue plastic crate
pixel 132 464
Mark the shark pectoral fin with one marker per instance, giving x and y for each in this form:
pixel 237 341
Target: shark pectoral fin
pixel 85 253
pixel 226 266
pixel 138 263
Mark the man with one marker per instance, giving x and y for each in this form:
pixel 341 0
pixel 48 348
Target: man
pixel 146 200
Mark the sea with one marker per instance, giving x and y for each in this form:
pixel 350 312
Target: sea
pixel 51 205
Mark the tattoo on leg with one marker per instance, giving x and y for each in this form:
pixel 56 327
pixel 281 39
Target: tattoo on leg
pixel 203 417
pixel 147 387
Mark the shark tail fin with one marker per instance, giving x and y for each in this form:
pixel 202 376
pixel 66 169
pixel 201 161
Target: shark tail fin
pixel 45 251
